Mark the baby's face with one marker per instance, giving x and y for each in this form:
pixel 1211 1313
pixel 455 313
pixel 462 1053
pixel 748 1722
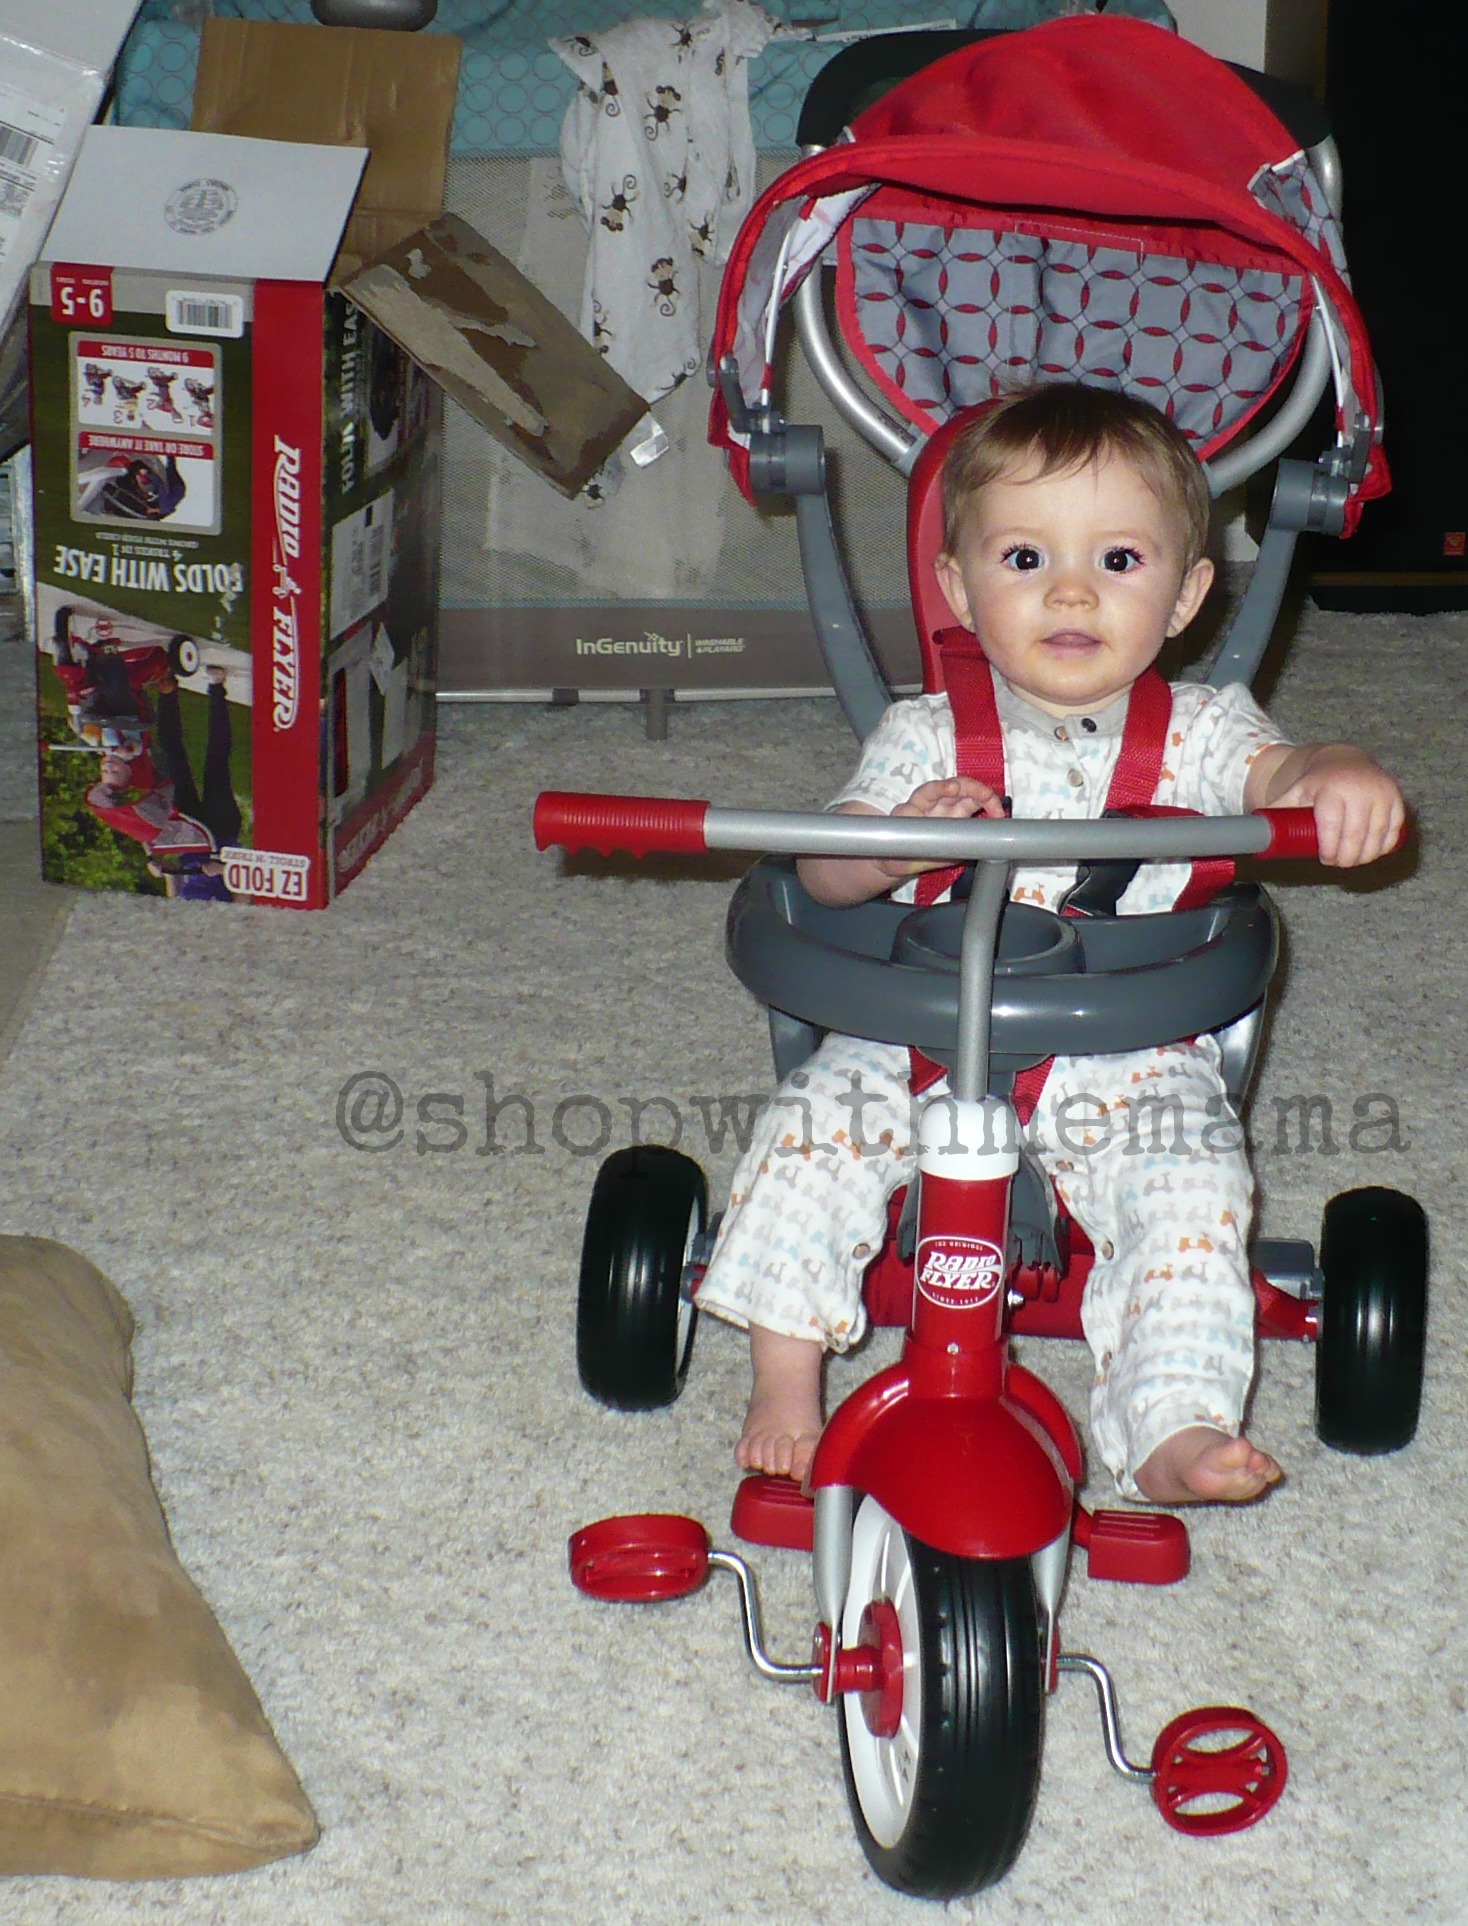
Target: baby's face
pixel 1072 582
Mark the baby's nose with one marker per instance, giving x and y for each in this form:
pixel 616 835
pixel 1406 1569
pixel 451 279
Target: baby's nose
pixel 1072 584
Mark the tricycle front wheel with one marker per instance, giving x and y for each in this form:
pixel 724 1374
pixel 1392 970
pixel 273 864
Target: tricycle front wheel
pixel 943 1802
pixel 1373 1320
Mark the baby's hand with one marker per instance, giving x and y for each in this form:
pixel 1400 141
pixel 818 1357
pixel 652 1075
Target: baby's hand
pixel 950 796
pixel 1359 810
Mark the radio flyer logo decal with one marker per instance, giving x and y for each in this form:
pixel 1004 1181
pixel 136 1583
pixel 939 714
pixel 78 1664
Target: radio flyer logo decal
pixel 959 1273
pixel 285 643
pixel 200 207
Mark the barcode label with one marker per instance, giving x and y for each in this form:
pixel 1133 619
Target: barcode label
pixel 205 313
pixel 15 146
pixel 361 546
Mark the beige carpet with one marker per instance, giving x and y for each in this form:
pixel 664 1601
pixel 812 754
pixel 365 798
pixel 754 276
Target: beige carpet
pixel 32 913
pixel 355 1366
pixel 34 916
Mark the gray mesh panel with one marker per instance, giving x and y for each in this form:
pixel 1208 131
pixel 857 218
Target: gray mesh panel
pixel 751 560
pixel 1293 192
pixel 956 316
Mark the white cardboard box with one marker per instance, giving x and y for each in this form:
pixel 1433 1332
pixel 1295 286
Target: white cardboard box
pixel 160 202
pixel 55 59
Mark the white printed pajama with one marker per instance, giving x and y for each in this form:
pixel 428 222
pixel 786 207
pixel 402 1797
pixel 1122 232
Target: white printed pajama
pixel 1146 1153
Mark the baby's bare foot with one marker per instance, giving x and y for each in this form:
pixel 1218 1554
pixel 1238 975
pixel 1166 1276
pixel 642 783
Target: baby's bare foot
pixel 1201 1465
pixel 777 1444
pixel 783 1421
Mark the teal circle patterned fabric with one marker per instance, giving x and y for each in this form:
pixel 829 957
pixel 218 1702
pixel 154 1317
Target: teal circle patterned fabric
pixel 514 92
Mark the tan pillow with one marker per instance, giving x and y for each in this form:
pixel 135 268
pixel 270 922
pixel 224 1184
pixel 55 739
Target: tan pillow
pixel 132 1745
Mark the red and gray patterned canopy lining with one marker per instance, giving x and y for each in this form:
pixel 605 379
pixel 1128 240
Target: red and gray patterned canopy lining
pixel 946 316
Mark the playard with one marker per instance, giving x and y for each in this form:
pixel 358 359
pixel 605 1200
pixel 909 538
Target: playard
pixel 1097 201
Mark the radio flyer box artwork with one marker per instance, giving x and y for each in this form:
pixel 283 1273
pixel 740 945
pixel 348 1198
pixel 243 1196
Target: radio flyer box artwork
pixel 237 484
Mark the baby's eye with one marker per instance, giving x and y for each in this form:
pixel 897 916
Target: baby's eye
pixel 1024 555
pixel 1120 561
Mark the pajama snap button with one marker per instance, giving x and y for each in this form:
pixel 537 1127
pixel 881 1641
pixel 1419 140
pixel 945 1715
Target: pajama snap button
pixel 1075 778
pixel 862 1250
pixel 1108 1249
pixel 1062 734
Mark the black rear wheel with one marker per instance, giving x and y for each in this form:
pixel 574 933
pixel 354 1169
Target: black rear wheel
pixel 183 655
pixel 942 1804
pixel 634 1320
pixel 1373 1320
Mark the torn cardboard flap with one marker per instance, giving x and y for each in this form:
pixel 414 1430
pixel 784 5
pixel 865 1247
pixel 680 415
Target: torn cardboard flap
pixel 468 317
pixel 501 349
pixel 391 93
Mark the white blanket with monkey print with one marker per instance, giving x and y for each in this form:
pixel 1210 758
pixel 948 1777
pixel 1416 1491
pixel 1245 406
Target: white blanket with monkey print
pixel 658 151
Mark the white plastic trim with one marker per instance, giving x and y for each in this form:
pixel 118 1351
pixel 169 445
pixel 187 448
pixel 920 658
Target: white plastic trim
pixel 971 1142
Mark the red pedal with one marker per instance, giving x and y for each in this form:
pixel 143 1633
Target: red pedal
pixel 640 1557
pixel 1134 1547
pixel 773 1511
pixel 1217 1770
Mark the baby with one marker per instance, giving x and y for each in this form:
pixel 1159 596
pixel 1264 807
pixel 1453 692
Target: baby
pixel 1074 526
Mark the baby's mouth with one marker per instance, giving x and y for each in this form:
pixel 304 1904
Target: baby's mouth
pixel 1071 642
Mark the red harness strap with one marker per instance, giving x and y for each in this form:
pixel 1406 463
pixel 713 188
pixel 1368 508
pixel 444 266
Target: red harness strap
pixel 978 739
pixel 979 742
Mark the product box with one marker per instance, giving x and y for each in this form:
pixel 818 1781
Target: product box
pixel 237 503
pixel 54 64
pixel 236 488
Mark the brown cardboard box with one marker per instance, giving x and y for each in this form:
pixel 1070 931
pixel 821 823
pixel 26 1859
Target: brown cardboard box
pixel 464 314
pixel 391 93
pixel 239 476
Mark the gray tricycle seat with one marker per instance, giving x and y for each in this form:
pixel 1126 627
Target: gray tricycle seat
pixel 1063 985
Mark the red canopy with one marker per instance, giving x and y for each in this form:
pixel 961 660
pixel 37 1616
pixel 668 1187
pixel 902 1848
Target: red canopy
pixel 1094 197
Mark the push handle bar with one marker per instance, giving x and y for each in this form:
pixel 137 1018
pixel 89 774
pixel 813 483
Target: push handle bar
pixel 639 825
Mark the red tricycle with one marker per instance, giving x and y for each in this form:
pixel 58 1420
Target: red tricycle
pixel 110 668
pixel 1098 201
pixel 945 1503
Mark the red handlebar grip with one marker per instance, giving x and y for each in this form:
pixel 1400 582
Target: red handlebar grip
pixel 1293 832
pixel 636 824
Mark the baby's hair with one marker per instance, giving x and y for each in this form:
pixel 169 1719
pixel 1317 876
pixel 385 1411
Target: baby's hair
pixel 1067 426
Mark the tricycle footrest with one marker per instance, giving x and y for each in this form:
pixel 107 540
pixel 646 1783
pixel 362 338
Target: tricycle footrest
pixel 773 1511
pixel 1133 1547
